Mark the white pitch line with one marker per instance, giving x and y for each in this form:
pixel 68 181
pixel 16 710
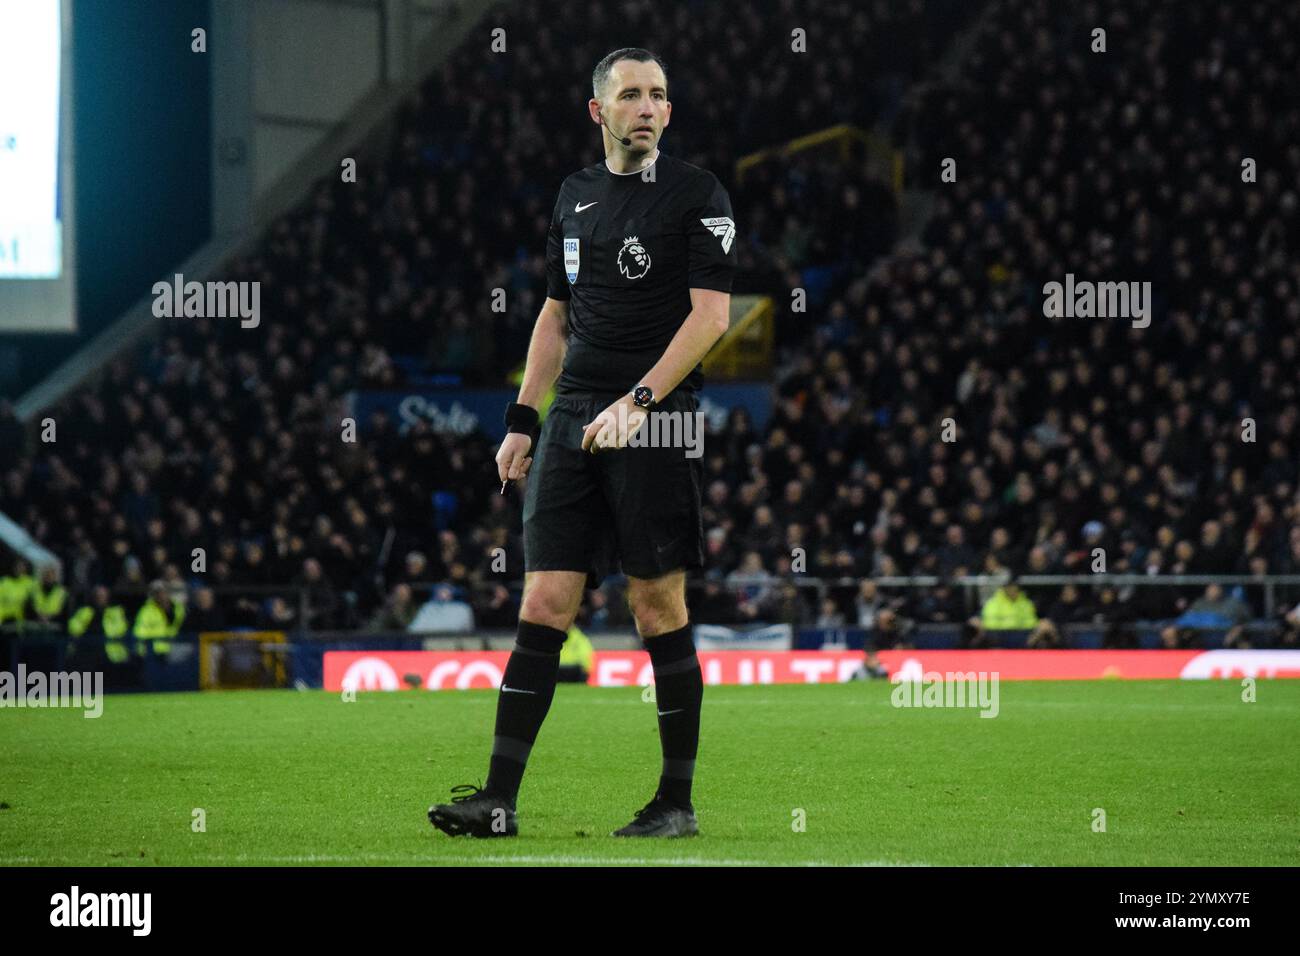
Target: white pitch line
pixel 714 703
pixel 558 859
pixel 562 859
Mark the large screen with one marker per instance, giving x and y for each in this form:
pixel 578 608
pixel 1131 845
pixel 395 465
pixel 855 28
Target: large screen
pixel 36 248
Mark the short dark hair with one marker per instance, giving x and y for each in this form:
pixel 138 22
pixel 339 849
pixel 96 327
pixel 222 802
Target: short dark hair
pixel 600 75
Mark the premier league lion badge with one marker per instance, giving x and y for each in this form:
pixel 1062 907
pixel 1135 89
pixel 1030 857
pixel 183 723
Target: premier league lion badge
pixel 633 259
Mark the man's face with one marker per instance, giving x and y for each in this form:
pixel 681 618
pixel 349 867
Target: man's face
pixel 634 104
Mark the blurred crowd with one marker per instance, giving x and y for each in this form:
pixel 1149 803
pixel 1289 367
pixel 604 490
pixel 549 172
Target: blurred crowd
pixel 927 418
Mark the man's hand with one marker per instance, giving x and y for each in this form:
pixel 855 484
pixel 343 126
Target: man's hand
pixel 512 458
pixel 613 427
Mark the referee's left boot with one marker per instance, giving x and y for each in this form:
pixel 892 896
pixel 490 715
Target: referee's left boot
pixel 661 818
pixel 679 692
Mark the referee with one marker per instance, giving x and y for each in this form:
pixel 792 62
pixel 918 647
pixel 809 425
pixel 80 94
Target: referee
pixel 639 262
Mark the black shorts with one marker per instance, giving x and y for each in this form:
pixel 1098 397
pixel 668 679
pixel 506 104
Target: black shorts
pixel 638 508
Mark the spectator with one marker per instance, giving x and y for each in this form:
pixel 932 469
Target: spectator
pixel 100 620
pixel 1290 637
pixel 501 610
pixel 205 615
pixel 1071 607
pixel 577 657
pixel 49 598
pixel 751 582
pixel 277 614
pixel 713 603
pixel 955 557
pixel 885 627
pixel 159 619
pixel 829 615
pixel 1213 611
pixel 15 592
pixel 1011 610
pixel 443 614
pixel 782 605
pixel 323 611
pixel 398 612
pixel 415 570
pixel 939 605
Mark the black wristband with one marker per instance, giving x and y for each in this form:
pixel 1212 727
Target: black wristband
pixel 523 420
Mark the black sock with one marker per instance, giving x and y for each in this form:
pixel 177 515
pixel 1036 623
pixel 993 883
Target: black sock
pixel 525 696
pixel 679 691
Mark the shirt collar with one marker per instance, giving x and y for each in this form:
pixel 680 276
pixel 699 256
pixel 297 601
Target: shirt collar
pixel 635 171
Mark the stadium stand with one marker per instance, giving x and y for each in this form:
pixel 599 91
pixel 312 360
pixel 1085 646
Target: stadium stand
pixel 1072 434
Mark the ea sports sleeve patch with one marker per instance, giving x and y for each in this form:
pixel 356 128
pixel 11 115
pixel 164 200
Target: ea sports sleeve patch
pixel 711 230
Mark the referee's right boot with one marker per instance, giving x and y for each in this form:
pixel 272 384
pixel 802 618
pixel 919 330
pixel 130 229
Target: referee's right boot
pixel 477 813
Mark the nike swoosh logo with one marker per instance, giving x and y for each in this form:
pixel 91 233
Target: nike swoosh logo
pixel 515 690
pixel 580 207
pixel 665 713
pixel 661 548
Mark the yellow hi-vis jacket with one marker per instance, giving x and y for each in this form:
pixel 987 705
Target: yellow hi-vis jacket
pixel 577 649
pixel 13 596
pixel 112 622
pixel 1003 614
pixel 48 603
pixel 151 625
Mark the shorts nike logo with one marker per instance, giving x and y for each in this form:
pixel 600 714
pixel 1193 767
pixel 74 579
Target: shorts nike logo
pixel 580 207
pixel 661 548
pixel 665 713
pixel 515 690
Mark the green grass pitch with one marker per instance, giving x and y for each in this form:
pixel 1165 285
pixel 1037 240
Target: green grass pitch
pixel 1185 772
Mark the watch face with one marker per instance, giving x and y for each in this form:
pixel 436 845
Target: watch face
pixel 642 396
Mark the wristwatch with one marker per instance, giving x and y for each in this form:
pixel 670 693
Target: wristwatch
pixel 643 396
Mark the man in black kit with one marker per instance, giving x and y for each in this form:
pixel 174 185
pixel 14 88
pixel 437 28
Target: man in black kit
pixel 639 262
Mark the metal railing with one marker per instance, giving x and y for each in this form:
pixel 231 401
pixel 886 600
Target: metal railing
pixel 1270 588
pixel 976 588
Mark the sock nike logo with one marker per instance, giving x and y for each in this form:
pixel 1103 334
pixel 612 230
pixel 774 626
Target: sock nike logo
pixel 515 690
pixel 665 713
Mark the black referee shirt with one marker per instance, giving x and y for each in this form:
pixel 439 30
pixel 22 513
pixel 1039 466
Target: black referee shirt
pixel 625 250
